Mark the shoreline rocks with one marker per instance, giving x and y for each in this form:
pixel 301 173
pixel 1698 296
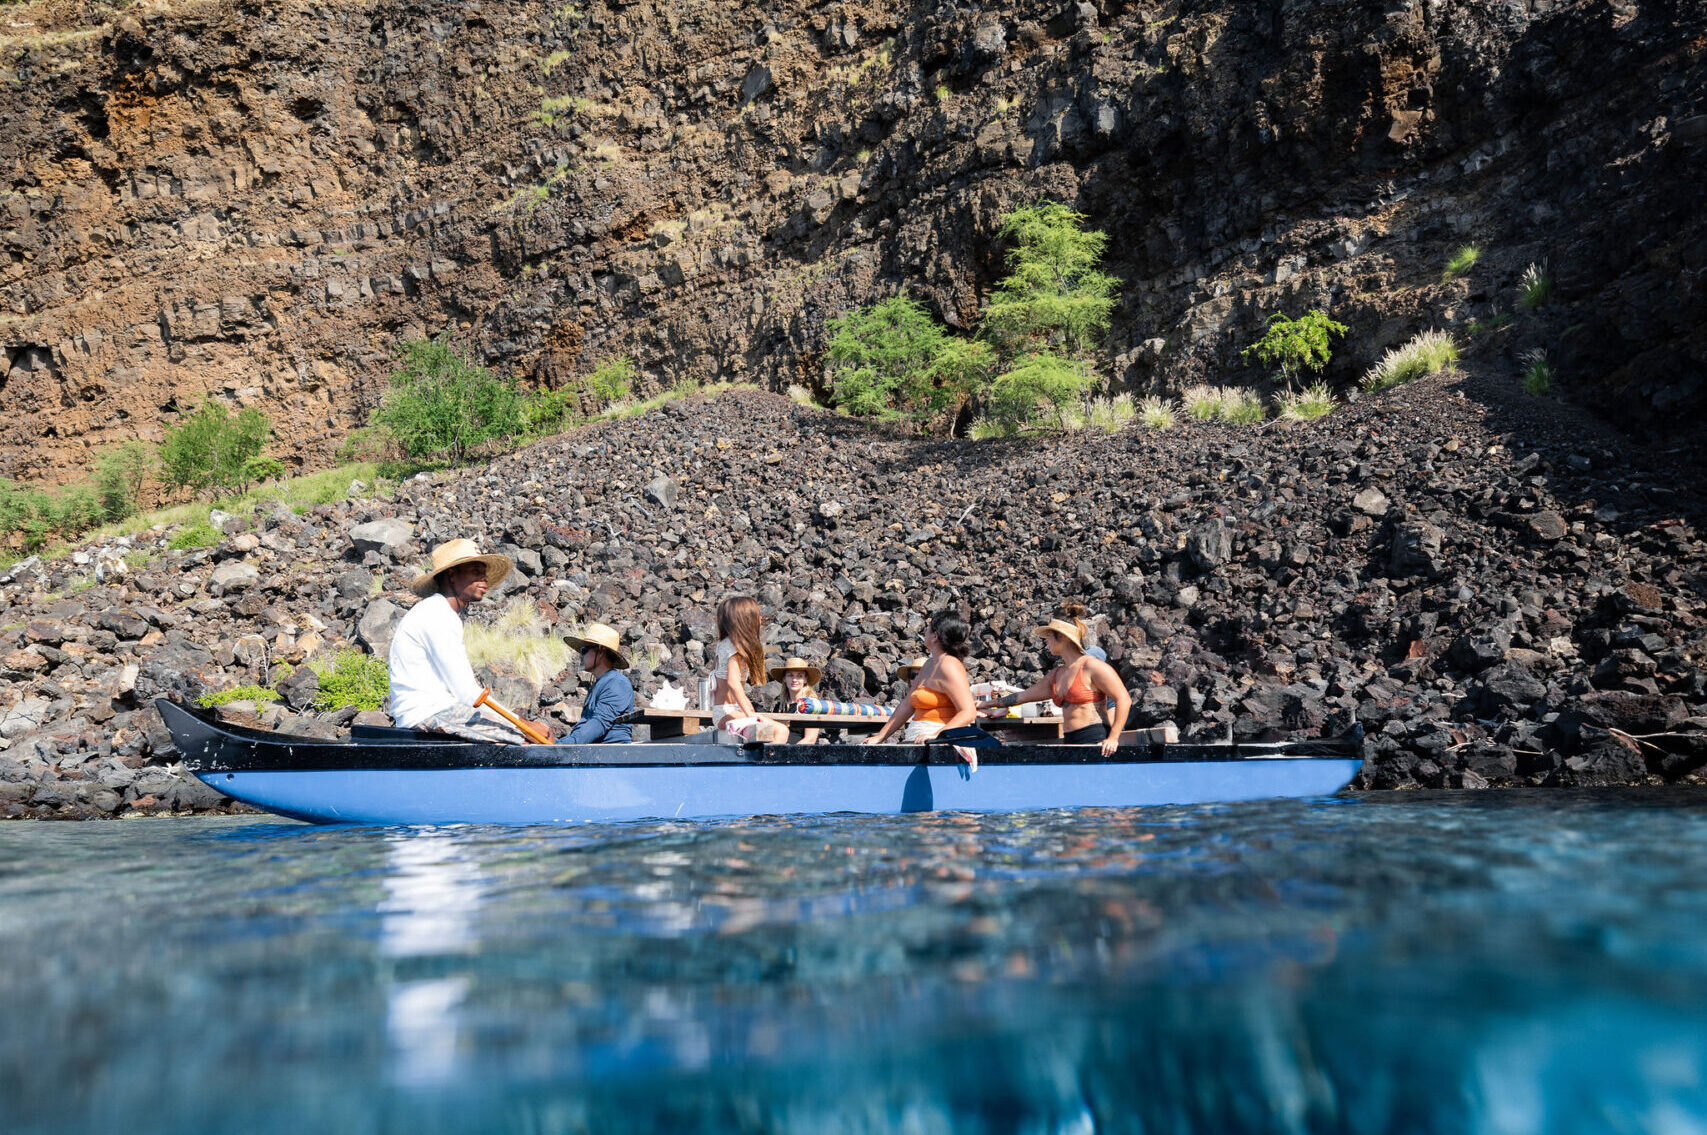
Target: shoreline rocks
pixel 1522 609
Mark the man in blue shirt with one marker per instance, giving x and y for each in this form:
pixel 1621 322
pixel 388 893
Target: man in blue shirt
pixel 612 694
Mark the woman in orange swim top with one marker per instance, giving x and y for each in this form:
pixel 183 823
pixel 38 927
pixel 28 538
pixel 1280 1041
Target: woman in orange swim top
pixel 941 694
pixel 1080 685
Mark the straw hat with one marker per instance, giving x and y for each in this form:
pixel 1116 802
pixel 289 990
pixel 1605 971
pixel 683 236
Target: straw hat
pixel 597 634
pixel 907 669
pixel 1063 628
pixel 812 672
pixel 453 553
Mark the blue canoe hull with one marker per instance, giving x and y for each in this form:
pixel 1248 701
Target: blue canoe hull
pixel 597 795
pixel 390 776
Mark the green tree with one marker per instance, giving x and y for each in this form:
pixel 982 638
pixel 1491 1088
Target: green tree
pixel 25 513
pixel 611 381
pixel 891 359
pixel 1041 379
pixel 210 448
pixel 1296 345
pixel 120 474
pixel 1054 297
pixel 880 356
pixel 442 407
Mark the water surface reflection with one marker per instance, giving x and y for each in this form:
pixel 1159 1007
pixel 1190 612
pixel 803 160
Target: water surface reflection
pixel 1514 963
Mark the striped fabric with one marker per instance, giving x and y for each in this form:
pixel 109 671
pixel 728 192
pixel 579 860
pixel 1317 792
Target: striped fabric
pixel 851 708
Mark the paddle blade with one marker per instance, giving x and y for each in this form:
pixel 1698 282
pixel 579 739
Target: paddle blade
pixel 969 736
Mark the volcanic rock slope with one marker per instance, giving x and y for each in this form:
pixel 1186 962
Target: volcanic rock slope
pixel 1499 595
pixel 260 200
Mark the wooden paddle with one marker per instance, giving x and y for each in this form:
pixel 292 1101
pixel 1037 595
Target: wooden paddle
pixel 529 730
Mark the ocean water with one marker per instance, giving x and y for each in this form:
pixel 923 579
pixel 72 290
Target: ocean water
pixel 1499 962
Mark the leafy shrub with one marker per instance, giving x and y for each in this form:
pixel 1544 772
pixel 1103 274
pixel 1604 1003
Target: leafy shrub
pixel 891 359
pixel 237 693
pixel 1314 401
pixel 75 510
pixel 25 513
pixel 441 407
pixel 519 642
pixel 1537 372
pixel 1426 353
pixel 1157 413
pixel 611 381
pixel 351 677
pixel 1241 407
pixel 259 469
pixel 210 449
pixel 197 535
pixel 1043 380
pixel 1462 261
pixel 1534 287
pixel 119 477
pixel 1296 345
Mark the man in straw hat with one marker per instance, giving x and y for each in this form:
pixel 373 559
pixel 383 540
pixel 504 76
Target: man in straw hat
pixel 432 684
pixel 612 694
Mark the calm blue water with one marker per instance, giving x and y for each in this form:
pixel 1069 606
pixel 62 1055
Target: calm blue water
pixel 1503 963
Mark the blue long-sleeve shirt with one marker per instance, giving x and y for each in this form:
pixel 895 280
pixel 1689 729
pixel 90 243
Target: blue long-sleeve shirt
pixel 611 697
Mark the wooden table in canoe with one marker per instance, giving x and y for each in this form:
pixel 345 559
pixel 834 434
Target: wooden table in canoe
pixel 398 776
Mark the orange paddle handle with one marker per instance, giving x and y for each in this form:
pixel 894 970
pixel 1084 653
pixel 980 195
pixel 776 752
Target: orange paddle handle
pixel 527 728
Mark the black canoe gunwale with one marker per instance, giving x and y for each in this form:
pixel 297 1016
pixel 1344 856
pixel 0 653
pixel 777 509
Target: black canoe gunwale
pixel 209 745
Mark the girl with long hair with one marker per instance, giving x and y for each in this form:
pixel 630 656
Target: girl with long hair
pixel 740 656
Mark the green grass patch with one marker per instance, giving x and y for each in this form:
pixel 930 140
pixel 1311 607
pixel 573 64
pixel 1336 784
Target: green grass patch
pixel 1462 261
pixel 1476 328
pixel 1314 401
pixel 237 693
pixel 1534 287
pixel 1105 414
pixel 1537 372
pixel 1424 354
pixel 518 642
pixel 197 535
pixel 1241 407
pixel 1202 403
pixel 351 677
pixel 1157 413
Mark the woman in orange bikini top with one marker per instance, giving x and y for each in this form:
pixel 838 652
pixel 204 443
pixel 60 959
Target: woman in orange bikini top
pixel 1080 685
pixel 941 695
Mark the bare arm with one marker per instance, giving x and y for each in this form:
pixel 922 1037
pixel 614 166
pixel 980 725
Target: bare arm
pixel 959 693
pixel 897 720
pixel 1106 681
pixel 738 688
pixel 1038 691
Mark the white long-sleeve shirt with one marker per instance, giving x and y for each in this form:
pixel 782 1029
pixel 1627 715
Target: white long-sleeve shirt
pixel 430 671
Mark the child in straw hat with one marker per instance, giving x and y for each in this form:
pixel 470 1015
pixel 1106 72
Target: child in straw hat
pixel 799 679
pixel 612 694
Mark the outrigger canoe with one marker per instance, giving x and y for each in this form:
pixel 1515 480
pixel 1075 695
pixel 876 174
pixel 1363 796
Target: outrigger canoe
pixel 399 776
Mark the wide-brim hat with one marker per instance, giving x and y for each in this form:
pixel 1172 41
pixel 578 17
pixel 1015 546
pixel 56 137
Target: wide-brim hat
pixel 455 553
pixel 597 634
pixel 1063 628
pixel 908 669
pixel 812 672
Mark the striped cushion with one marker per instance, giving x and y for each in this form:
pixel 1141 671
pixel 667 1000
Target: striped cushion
pixel 851 708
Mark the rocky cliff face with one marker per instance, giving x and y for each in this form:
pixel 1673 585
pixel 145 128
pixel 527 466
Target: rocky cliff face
pixel 259 200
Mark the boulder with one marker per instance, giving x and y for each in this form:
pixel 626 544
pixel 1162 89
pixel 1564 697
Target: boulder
pixel 382 536
pixel 377 624
pixel 1371 502
pixel 661 491
pixel 233 576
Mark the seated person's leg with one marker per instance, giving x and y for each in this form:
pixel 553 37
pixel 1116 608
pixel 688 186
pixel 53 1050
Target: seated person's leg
pixel 467 722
